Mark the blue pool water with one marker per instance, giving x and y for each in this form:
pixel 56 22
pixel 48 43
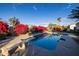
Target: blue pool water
pixel 49 42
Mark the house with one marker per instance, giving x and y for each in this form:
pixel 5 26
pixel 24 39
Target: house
pixel 75 27
pixel 72 26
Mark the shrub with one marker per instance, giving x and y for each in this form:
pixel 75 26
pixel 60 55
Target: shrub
pixel 11 31
pixel 3 29
pixel 41 28
pixel 33 29
pixel 21 29
pixel 36 29
pixel 2 36
pixel 57 29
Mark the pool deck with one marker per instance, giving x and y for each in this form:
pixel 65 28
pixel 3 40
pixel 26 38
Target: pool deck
pixel 14 42
pixel 69 47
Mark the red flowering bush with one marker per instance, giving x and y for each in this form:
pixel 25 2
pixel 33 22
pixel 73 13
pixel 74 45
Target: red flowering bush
pixel 38 29
pixel 21 29
pixel 35 27
pixel 3 30
pixel 41 28
pixel 3 27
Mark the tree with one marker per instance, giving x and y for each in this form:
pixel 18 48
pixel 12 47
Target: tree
pixel 59 20
pixel 0 18
pixel 51 25
pixel 74 14
pixel 13 21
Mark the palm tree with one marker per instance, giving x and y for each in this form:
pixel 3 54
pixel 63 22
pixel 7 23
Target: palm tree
pixel 13 21
pixel 59 20
pixel 0 18
pixel 74 14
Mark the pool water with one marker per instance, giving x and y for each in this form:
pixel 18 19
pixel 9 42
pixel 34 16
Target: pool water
pixel 49 42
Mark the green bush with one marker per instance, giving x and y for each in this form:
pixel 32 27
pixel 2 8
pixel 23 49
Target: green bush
pixel 2 37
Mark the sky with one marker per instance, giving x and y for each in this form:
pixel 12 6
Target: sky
pixel 37 13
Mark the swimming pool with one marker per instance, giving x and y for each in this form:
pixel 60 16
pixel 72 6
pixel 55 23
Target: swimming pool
pixel 49 42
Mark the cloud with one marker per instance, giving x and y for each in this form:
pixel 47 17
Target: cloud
pixel 35 8
pixel 14 6
pixel 69 5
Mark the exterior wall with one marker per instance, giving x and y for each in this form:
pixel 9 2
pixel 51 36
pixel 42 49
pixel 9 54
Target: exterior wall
pixel 72 26
pixel 77 27
pixel 77 24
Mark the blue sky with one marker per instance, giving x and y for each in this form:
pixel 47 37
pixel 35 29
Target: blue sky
pixel 38 13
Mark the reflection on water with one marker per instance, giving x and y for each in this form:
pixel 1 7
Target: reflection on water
pixel 49 43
